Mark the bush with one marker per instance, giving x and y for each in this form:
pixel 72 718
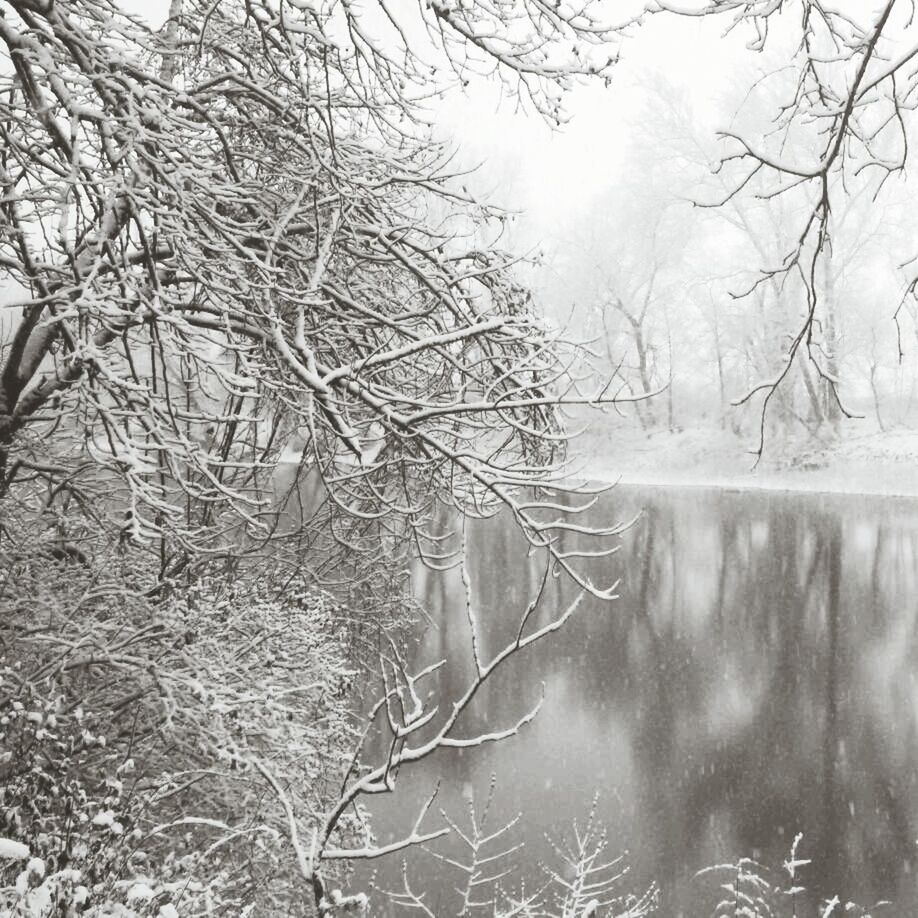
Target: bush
pixel 136 734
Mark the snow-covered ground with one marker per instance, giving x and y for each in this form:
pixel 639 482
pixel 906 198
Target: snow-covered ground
pixel 872 462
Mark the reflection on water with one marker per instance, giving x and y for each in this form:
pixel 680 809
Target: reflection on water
pixel 755 679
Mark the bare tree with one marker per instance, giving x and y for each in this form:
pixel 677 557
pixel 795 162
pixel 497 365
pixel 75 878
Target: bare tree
pixel 849 104
pixel 233 238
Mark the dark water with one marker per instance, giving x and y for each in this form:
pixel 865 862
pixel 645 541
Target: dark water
pixel 756 679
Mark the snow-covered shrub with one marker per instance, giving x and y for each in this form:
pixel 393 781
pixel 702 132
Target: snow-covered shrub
pixel 746 888
pixel 582 880
pixel 133 730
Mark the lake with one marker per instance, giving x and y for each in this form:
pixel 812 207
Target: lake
pixel 756 679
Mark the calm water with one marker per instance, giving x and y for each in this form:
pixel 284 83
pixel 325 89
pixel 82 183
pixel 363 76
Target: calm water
pixel 757 678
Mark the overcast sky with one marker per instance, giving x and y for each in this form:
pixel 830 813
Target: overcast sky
pixel 553 174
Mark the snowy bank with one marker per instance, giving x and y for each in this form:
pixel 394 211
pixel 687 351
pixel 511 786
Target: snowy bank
pixel 876 462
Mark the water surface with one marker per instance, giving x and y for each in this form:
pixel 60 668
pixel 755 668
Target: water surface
pixel 755 679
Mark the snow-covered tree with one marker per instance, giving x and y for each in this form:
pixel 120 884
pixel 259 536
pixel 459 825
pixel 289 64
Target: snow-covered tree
pixel 230 241
pixel 234 241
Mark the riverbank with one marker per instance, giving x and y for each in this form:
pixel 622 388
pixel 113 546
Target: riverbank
pixel 872 462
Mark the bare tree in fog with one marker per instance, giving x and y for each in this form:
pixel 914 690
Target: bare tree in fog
pixel 843 126
pixel 801 236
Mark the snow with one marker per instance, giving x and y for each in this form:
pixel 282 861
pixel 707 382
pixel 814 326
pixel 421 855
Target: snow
pixel 871 462
pixel 103 818
pixel 140 892
pixel 13 850
pixel 356 903
pixel 39 900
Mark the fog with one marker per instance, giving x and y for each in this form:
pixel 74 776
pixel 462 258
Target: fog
pixel 649 240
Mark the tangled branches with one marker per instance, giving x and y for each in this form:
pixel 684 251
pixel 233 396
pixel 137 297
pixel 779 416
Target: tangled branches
pixel 235 244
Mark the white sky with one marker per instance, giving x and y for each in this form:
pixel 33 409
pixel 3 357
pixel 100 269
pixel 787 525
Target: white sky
pixel 551 175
